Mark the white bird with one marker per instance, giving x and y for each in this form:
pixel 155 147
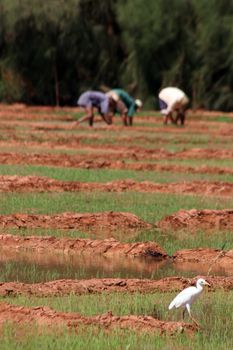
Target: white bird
pixel 187 297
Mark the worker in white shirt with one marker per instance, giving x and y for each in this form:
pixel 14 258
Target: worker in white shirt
pixel 173 100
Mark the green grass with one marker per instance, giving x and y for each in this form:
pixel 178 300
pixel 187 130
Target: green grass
pixel 106 175
pixel 148 206
pixel 220 119
pixel 221 163
pixel 213 310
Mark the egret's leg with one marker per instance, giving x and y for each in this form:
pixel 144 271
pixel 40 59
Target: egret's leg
pixel 189 312
pixel 183 313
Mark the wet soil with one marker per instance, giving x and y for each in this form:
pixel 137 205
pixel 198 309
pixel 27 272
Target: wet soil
pixel 109 285
pixel 34 266
pixel 103 221
pixel 44 184
pixel 213 258
pixel 45 316
pixel 202 260
pixel 194 220
pixel 107 247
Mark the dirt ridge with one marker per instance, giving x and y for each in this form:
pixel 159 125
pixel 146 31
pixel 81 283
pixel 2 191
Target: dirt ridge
pixel 100 161
pixel 109 285
pixel 45 316
pixel 117 153
pixel 108 247
pixel 194 220
pixel 44 184
pixel 110 221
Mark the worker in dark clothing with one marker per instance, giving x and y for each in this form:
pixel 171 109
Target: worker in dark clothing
pixel 90 100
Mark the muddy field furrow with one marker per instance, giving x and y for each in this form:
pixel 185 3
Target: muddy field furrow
pixel 106 247
pixel 66 122
pixel 132 152
pixel 62 140
pixel 194 220
pixel 109 285
pixel 51 319
pixel 100 160
pixel 44 184
pixel 110 221
pixel 57 260
pixel 206 259
pixel 215 258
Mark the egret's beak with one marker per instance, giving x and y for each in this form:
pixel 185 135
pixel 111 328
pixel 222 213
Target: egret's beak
pixel 207 284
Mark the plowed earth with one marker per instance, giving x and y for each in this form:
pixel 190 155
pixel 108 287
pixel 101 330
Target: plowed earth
pixel 109 221
pixel 109 285
pixel 134 154
pixel 194 220
pixel 100 162
pixel 43 184
pixel 44 316
pixel 107 247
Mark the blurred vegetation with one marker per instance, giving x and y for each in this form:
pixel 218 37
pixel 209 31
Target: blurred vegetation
pixel 52 51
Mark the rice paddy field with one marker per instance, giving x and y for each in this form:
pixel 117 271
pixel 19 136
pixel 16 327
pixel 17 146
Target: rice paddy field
pixel 101 227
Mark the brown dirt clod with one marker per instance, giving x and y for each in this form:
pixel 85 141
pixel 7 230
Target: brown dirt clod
pixel 194 220
pixel 110 221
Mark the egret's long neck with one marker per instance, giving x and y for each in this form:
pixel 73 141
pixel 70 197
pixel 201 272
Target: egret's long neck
pixel 199 287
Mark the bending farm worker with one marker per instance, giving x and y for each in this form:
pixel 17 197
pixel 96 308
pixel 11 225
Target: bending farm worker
pixel 90 100
pixel 173 101
pixel 125 105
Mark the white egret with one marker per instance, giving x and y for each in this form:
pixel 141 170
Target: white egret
pixel 187 297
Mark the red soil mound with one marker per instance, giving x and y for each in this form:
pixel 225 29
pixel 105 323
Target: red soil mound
pixel 108 285
pixel 109 221
pixel 44 316
pixel 108 247
pixel 42 184
pixel 194 220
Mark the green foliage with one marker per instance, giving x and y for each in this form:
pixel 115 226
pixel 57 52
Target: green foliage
pixel 11 83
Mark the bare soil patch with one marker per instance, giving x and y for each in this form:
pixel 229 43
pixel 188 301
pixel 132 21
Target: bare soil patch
pixel 194 220
pixel 44 184
pixel 45 316
pixel 109 221
pixel 107 247
pixel 109 285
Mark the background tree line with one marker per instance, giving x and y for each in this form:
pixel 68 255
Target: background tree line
pixel 51 51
